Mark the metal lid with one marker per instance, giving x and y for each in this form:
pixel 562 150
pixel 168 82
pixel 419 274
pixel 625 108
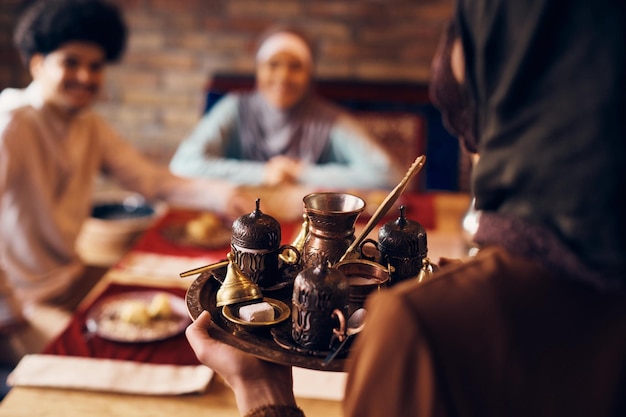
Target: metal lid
pixel 323 274
pixel 256 230
pixel 403 237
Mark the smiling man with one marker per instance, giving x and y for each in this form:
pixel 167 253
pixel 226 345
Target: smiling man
pixel 52 147
pixel 70 77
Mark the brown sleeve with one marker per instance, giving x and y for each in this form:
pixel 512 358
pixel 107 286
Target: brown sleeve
pixel 391 371
pixel 276 411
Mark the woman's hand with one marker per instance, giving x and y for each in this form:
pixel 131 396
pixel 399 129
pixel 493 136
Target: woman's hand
pixel 284 202
pixel 255 382
pixel 241 201
pixel 281 170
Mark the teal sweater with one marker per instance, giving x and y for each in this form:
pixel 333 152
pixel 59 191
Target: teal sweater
pixel 353 160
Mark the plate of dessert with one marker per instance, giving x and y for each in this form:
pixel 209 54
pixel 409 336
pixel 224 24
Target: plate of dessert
pixel 207 230
pixel 138 316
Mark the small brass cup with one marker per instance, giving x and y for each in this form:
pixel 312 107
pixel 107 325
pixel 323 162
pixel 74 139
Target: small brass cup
pixel 364 278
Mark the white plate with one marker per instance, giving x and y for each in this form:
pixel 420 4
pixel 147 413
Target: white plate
pixel 104 318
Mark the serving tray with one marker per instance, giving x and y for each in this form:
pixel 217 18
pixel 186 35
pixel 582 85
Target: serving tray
pixel 272 344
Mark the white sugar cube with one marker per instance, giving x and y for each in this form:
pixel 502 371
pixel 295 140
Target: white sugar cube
pixel 259 312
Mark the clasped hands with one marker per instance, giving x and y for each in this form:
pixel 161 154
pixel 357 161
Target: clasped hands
pixel 281 170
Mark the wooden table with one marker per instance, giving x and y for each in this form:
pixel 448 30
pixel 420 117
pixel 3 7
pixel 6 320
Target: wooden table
pixel 218 400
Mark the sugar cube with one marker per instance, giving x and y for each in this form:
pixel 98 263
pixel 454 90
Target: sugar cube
pixel 257 312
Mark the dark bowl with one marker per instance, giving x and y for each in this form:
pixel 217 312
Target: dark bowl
pixel 118 211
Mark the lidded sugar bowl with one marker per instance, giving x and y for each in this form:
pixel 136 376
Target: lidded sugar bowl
pixel 402 244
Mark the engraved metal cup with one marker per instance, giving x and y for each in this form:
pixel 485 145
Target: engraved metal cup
pixel 255 247
pixel 318 293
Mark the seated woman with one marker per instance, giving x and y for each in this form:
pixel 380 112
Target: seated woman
pixel 282 133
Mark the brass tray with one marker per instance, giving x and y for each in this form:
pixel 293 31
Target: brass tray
pixel 262 343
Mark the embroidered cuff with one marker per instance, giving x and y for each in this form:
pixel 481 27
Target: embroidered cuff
pixel 276 411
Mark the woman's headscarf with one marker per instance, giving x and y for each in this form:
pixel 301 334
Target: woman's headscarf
pixel 448 94
pixel 547 84
pixel 301 132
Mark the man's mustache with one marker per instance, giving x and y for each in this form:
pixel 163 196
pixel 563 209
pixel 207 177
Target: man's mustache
pixel 92 88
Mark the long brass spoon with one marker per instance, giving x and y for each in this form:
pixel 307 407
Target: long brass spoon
pixel 205 268
pixel 388 202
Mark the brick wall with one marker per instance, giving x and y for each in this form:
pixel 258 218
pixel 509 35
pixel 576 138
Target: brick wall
pixel 155 95
pixel 12 72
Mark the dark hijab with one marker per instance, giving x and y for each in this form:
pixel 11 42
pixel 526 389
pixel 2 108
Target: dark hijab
pixel 450 96
pixel 547 83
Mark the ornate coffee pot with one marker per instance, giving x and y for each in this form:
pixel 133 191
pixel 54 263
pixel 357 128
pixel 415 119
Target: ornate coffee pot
pixel 331 218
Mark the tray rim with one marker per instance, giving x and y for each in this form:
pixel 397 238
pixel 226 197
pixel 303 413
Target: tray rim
pixel 259 343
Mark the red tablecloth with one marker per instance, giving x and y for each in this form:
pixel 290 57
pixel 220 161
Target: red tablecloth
pixel 72 341
pixel 419 207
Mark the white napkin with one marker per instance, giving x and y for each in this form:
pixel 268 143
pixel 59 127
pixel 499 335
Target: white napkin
pixel 162 266
pixel 109 375
pixel 308 383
